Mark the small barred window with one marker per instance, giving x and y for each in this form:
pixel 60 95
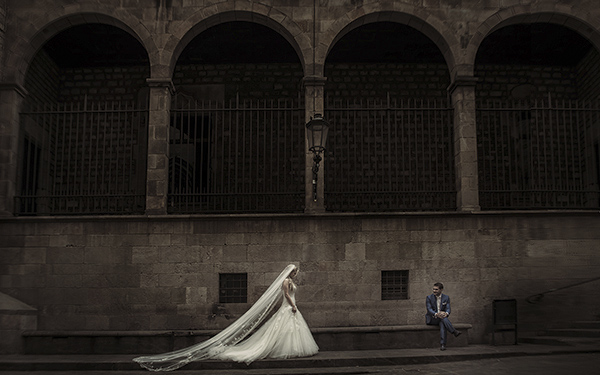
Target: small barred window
pixel 233 288
pixel 394 285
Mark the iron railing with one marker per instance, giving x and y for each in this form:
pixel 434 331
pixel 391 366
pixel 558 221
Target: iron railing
pixel 248 156
pixel 236 156
pixel 536 298
pixel 82 158
pixel 538 155
pixel 390 155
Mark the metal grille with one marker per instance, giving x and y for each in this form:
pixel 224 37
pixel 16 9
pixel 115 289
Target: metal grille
pixel 388 155
pixel 538 155
pixel 237 156
pixel 233 287
pixel 82 158
pixel 394 285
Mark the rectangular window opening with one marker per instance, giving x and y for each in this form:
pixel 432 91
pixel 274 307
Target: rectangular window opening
pixel 233 287
pixel 394 285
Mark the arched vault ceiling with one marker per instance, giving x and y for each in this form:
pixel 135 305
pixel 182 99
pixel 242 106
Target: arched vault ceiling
pixel 89 45
pixel 385 42
pixel 533 44
pixel 238 41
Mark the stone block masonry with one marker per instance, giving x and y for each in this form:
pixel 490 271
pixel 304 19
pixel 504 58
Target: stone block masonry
pixel 156 272
pixel 141 273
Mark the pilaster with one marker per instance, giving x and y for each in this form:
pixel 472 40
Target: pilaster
pixel 462 91
pixel 11 99
pixel 157 178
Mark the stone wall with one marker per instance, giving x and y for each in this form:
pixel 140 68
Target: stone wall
pixel 142 273
pixel 2 31
pixel 43 80
pixel 589 76
pixel 118 83
pixel 157 272
pixel 498 81
pixel 353 81
pixel 344 81
pixel 15 317
pixel 250 81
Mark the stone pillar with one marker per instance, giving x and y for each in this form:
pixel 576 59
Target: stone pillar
pixel 462 91
pixel 157 178
pixel 314 103
pixel 11 99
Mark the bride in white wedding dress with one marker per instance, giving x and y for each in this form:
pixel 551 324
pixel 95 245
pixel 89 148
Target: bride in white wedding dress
pixel 284 335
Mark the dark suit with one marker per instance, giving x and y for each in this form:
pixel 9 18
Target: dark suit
pixel 445 325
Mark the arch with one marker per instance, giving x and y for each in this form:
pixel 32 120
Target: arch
pixel 25 47
pixel 198 22
pixel 523 15
pixel 432 28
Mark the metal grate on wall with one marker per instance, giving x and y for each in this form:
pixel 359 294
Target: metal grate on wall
pixel 540 154
pixel 233 287
pixel 394 285
pixel 82 158
pixel 236 156
pixel 390 155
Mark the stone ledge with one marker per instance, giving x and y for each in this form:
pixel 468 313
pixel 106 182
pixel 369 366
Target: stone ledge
pixel 328 339
pixel 416 327
pixel 276 216
pixel 386 337
pixel 207 332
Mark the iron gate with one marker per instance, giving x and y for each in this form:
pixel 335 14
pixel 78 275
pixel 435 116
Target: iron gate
pixel 541 154
pixel 390 155
pixel 236 156
pixel 82 158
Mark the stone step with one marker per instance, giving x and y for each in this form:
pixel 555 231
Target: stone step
pixel 574 332
pixel 586 325
pixel 105 364
pixel 560 340
pixel 149 342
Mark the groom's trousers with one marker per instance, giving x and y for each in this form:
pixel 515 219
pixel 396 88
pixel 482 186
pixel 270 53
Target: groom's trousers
pixel 445 326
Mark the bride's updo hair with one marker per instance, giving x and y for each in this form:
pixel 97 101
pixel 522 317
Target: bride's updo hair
pixel 295 269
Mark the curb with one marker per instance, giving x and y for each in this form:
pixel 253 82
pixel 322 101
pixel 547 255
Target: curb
pixel 32 363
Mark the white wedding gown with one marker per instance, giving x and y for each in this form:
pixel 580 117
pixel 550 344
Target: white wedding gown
pixel 284 335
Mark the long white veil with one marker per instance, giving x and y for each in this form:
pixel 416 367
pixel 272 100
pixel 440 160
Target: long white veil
pixel 230 336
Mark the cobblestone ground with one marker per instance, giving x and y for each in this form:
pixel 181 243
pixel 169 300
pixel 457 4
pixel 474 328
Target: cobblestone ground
pixel 567 364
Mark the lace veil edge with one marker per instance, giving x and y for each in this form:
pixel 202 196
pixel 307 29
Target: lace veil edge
pixel 230 336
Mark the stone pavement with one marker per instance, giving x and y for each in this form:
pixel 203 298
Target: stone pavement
pixel 471 360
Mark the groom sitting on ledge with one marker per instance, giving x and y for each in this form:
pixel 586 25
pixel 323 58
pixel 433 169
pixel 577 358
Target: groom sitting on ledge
pixel 438 310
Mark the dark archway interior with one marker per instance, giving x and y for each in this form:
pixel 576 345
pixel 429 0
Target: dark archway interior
pixel 533 44
pixel 94 45
pixel 238 42
pixel 90 45
pixel 383 42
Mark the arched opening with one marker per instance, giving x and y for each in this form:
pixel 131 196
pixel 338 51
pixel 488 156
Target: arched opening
pixel 84 125
pixel 537 118
pixel 237 120
pixel 390 144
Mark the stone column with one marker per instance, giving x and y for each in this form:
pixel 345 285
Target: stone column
pixel 462 91
pixel 314 103
pixel 157 178
pixel 11 99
